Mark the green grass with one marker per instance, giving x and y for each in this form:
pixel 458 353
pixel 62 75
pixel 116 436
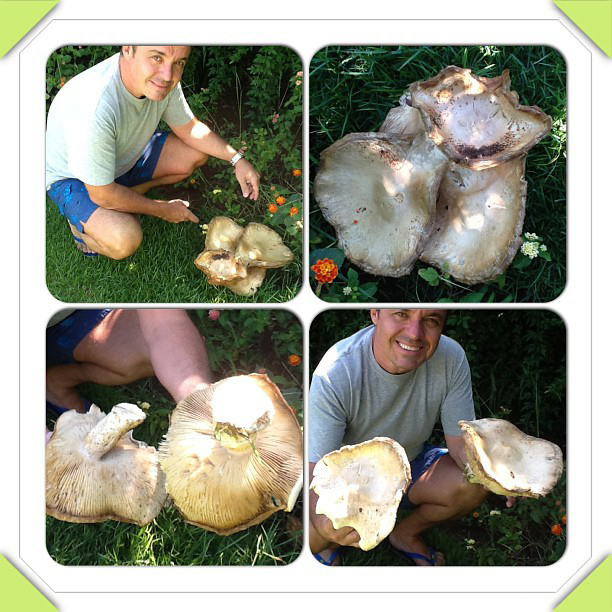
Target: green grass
pixel 353 88
pixel 239 342
pixel 161 270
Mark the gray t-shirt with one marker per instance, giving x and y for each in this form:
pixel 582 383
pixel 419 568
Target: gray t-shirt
pixel 97 130
pixel 352 399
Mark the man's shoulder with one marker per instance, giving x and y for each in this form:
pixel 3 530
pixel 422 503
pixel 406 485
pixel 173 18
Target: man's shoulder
pixel 449 353
pixel 345 350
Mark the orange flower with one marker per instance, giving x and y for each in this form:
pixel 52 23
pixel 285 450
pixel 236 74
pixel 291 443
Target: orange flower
pixel 297 172
pixel 556 529
pixel 294 211
pixel 475 514
pixel 280 200
pixel 272 208
pixel 294 360
pixel 62 81
pixel 564 519
pixel 192 182
pixel 325 270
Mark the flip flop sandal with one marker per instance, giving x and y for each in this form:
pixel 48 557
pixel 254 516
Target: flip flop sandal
pixel 411 556
pixel 81 241
pixel 335 553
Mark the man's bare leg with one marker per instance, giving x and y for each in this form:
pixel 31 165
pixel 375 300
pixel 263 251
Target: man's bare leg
pixel 442 493
pixel 132 344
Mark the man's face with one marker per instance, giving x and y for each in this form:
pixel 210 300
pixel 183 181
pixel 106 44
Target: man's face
pixel 154 71
pixel 404 339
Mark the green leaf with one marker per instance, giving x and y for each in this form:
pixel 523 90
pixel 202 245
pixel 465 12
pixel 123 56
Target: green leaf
pixel 430 275
pixel 473 297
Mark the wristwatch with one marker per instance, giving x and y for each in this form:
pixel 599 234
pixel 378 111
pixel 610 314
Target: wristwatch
pixel 236 159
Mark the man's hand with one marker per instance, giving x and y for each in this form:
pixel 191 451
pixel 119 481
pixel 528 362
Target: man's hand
pixel 174 211
pixel 248 178
pixel 345 536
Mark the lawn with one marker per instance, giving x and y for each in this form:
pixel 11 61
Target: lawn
pixel 353 88
pixel 252 97
pixel 238 342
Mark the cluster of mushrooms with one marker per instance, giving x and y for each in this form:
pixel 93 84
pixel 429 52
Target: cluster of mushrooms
pixel 441 181
pixel 361 486
pixel 237 257
pixel 232 456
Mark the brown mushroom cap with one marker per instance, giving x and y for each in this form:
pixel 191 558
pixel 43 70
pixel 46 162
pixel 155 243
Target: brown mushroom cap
pixel 249 285
pixel 260 246
pixel 233 454
pixel 509 462
pixel 478 121
pixel 479 221
pixel 96 471
pixel 379 192
pixel 361 486
pixel 223 233
pixel 220 266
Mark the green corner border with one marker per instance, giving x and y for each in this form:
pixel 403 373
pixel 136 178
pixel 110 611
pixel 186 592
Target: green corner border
pixel 593 17
pixel 18 17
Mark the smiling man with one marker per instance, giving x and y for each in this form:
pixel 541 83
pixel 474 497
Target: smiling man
pixel 104 149
pixel 396 378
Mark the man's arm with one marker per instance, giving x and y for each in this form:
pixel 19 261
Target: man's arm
pixel 117 197
pixel 200 137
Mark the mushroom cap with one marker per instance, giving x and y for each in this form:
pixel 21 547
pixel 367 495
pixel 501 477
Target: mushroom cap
pixel 223 233
pixel 404 121
pixel 233 454
pixel 250 284
pixel 220 266
pixel 478 121
pixel 260 246
pixel 361 486
pixel 379 193
pixel 509 462
pixel 479 221
pixel 96 471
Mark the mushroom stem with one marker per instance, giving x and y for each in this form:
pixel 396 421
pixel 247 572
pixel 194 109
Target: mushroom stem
pixel 105 435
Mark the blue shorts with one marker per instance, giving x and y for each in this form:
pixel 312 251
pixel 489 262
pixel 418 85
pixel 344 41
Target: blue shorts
pixel 71 196
pixel 63 337
pixel 419 465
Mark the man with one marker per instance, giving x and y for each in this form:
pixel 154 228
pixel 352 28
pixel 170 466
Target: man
pixel 104 151
pixel 117 347
pixel 395 379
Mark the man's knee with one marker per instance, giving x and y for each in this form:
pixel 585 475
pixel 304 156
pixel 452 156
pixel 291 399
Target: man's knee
pixel 121 240
pixel 193 162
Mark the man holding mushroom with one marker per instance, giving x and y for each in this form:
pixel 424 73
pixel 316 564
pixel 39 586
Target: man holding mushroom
pixel 396 379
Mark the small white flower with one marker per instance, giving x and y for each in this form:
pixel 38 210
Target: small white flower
pixel 495 513
pixel 530 249
pixel 347 291
pixel 144 405
pixel 543 247
pixel 471 542
pixel 216 191
pixel 531 236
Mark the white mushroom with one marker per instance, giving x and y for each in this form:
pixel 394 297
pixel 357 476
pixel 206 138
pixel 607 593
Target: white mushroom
pixel 379 192
pixel 478 121
pixel 509 462
pixel 233 454
pixel 361 486
pixel 222 233
pixel 479 221
pixel 260 246
pixel 96 471
pixel 220 266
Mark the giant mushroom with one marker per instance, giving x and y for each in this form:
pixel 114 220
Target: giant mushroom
pixel 509 462
pixel 361 486
pixel 233 454
pixel 96 471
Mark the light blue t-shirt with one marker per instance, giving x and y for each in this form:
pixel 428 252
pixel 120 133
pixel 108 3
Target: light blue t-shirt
pixel 352 399
pixel 97 130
